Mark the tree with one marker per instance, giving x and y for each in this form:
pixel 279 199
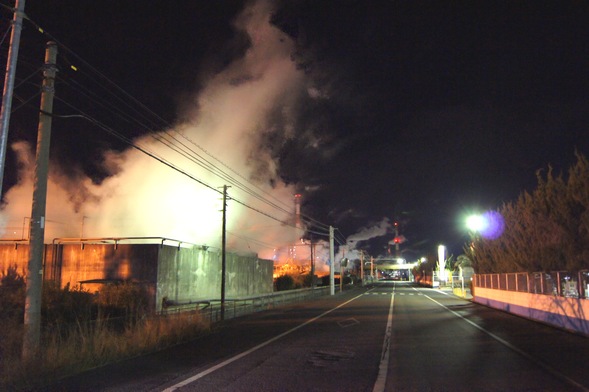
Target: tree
pixel 545 230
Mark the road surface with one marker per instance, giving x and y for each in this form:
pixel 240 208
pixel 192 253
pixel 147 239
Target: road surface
pixel 391 336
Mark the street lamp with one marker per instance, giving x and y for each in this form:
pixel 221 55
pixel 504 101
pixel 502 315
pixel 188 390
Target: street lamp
pixel 476 223
pixel 489 225
pixel 442 262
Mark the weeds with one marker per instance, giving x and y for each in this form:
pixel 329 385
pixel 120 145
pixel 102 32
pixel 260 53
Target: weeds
pixel 82 331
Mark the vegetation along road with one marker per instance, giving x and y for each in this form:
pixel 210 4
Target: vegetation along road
pixel 391 336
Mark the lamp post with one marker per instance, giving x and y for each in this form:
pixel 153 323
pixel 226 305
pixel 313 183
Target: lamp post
pixel 442 262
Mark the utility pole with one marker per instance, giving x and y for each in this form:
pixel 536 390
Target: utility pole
pixel 9 83
pixel 362 267
pixel 341 269
pixel 223 252
pixel 397 240
pixel 312 263
pixel 331 262
pixel 32 320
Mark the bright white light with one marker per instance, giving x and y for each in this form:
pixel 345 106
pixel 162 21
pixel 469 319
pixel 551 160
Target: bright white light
pixel 476 223
pixel 442 262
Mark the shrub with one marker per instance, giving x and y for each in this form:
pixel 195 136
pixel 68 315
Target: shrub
pixel 63 306
pixel 74 338
pixel 12 295
pixel 284 282
pixel 123 300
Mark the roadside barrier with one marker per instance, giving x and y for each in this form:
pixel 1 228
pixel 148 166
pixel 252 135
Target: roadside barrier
pixel 210 310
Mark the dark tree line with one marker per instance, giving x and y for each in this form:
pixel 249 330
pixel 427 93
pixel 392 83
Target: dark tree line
pixel 544 230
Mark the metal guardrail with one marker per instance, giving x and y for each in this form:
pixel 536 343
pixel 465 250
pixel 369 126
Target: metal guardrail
pixel 210 310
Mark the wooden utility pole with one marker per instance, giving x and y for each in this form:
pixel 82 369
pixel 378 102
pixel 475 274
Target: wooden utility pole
pixel 32 319
pixel 19 10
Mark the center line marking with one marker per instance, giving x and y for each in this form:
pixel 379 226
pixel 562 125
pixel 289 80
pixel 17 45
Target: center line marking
pixel 383 366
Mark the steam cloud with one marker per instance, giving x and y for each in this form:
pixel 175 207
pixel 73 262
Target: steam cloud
pixel 351 250
pixel 231 119
pixel 143 197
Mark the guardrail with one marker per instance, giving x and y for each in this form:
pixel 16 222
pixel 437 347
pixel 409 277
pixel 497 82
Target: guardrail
pixel 210 310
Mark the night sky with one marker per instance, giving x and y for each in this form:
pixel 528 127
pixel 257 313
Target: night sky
pixel 429 110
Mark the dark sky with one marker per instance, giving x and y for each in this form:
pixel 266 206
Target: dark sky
pixel 434 109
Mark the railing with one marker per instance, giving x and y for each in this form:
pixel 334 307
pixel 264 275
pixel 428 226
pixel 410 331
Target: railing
pixel 211 310
pixel 559 283
pixel 459 286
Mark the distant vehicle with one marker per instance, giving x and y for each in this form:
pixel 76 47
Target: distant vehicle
pixel 391 275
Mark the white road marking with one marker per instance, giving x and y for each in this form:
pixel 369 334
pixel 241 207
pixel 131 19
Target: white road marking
pixel 536 361
pixel 251 350
pixel 383 366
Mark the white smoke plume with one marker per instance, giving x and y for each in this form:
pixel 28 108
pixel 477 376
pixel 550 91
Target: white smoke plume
pixel 143 197
pixel 377 230
pixel 350 249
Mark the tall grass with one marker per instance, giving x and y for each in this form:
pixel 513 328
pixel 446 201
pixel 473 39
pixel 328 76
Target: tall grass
pixel 70 346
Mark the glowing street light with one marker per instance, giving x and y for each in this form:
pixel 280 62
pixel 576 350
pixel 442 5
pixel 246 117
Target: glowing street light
pixel 489 225
pixel 476 223
pixel 442 262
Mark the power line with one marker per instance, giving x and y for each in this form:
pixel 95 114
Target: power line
pixel 137 116
pixel 186 151
pixel 164 161
pixel 241 237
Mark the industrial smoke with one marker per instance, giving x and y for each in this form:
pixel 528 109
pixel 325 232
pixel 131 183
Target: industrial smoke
pixel 143 197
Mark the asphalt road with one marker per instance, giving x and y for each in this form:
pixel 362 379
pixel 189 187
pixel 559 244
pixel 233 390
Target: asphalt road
pixel 387 337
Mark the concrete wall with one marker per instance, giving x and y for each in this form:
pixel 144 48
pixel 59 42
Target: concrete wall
pixel 193 274
pixel 568 313
pixel 175 273
pixel 75 263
